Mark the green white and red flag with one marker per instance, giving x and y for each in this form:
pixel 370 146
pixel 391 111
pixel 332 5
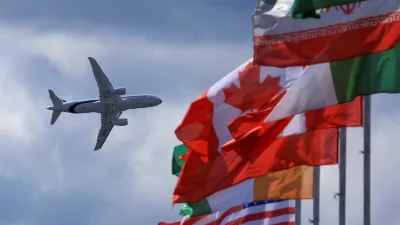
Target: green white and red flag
pixel 342 32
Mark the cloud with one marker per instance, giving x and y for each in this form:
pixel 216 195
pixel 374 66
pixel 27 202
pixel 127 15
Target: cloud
pixel 177 21
pixel 134 61
pixel 16 122
pixel 50 174
pixel 384 184
pixel 62 178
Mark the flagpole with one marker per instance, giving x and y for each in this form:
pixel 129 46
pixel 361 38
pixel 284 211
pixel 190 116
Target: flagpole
pixel 367 160
pixel 298 212
pixel 316 196
pixel 342 176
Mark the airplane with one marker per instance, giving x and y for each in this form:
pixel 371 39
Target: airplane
pixel 110 104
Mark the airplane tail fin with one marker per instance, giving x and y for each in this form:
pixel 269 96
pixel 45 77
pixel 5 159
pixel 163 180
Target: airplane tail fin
pixel 54 117
pixel 56 102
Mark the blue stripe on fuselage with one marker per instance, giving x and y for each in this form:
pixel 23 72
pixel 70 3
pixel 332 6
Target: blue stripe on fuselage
pixel 71 109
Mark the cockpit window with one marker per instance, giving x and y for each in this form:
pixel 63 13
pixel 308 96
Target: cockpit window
pixel 64 101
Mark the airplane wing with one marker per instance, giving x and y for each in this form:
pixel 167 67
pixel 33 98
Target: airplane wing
pixel 105 128
pixel 103 83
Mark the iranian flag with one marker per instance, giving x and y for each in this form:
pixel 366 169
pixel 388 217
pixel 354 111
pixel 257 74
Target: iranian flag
pixel 254 91
pixel 307 8
pixel 293 183
pixel 344 31
pixel 309 138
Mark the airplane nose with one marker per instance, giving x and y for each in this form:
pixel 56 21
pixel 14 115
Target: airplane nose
pixel 158 101
pixel 155 100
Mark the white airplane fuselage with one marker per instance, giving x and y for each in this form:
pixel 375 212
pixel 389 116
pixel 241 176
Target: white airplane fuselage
pixel 96 106
pixel 110 104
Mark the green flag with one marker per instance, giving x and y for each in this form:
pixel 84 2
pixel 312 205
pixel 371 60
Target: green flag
pixel 177 163
pixel 195 209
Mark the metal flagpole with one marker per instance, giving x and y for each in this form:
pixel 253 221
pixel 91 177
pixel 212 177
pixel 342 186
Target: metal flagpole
pixel 342 176
pixel 367 160
pixel 298 212
pixel 315 219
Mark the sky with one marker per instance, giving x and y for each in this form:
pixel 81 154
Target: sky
pixel 173 49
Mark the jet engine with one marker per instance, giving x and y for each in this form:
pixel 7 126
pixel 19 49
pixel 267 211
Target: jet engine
pixel 120 122
pixel 118 91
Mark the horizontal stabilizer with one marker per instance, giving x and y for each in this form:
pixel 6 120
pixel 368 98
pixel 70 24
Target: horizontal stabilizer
pixel 54 117
pixel 56 100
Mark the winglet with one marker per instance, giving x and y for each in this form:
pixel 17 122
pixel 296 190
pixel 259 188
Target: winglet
pixel 97 147
pixel 99 144
pixel 95 65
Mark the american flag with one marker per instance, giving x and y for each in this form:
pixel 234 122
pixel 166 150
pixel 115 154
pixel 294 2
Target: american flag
pixel 255 213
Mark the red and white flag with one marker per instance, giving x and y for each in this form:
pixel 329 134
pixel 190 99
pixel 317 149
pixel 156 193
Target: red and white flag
pixel 279 93
pixel 309 138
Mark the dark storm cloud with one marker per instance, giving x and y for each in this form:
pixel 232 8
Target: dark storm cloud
pixel 16 196
pixel 174 20
pixel 24 203
pixel 129 181
pixel 121 185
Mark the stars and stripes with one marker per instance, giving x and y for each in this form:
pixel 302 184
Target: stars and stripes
pixel 255 213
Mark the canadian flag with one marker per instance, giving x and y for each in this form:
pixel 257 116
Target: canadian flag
pixel 243 103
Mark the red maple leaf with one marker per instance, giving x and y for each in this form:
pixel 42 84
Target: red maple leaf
pixel 251 95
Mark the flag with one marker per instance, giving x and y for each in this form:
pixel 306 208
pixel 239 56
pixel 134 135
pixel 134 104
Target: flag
pixel 343 32
pixel 307 8
pixel 308 139
pixel 253 136
pixel 177 161
pixel 293 183
pixel 266 213
pixel 283 92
